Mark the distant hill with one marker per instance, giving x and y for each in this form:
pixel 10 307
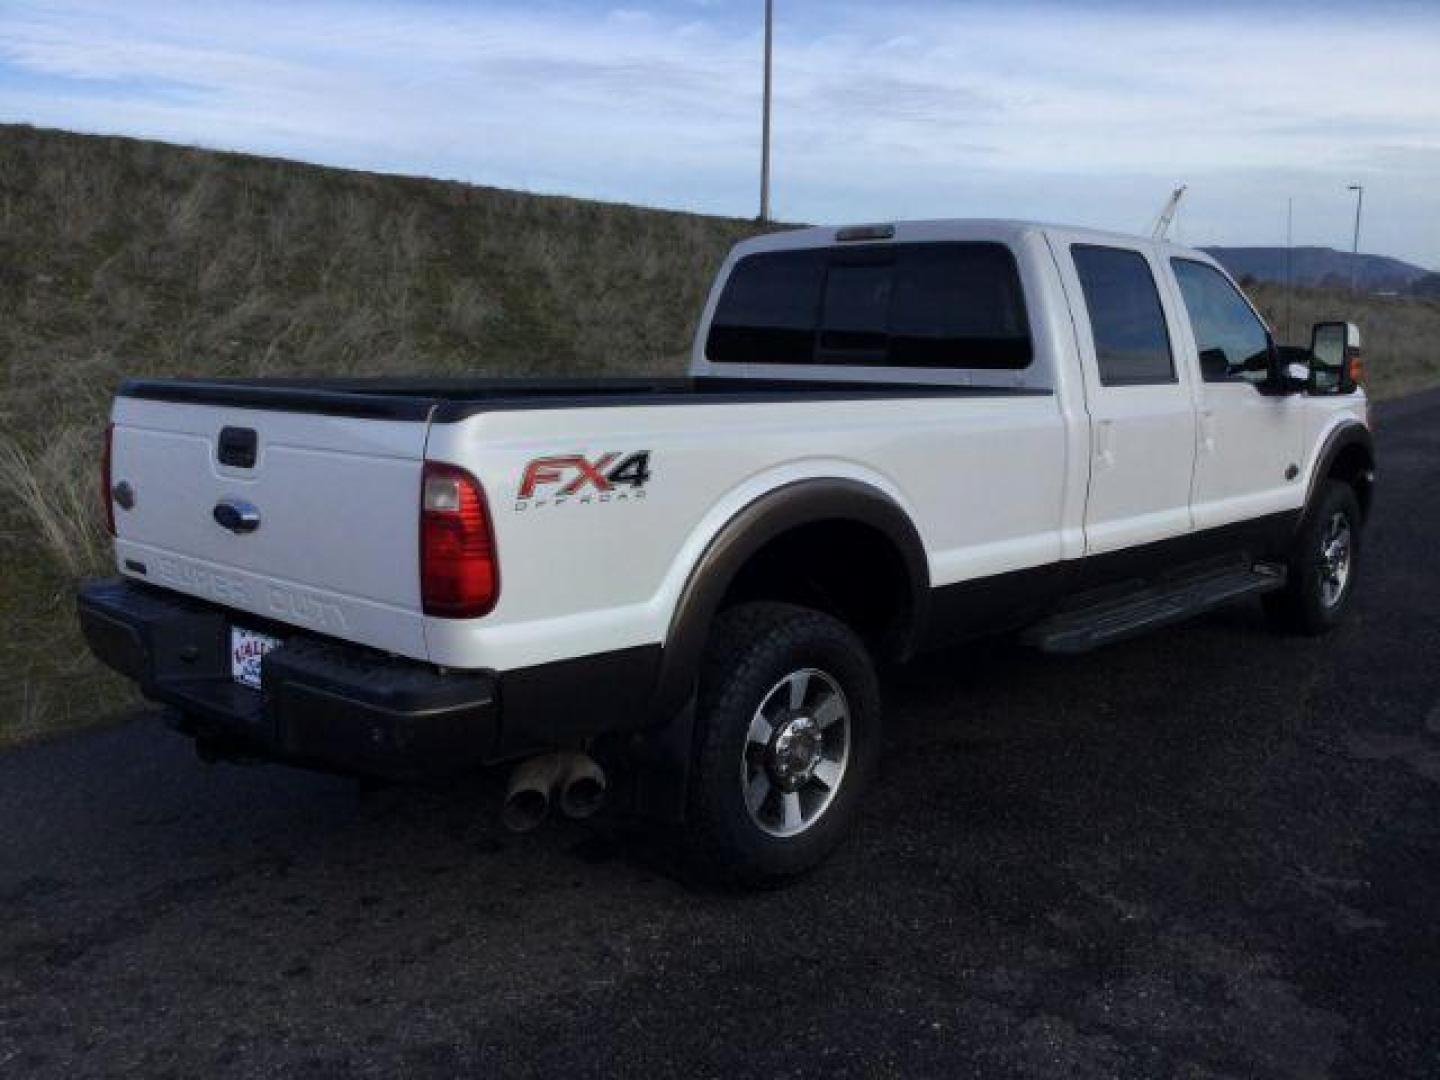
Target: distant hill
pixel 1320 267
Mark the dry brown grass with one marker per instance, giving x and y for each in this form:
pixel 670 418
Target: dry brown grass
pixel 53 490
pixel 120 257
pixel 1401 335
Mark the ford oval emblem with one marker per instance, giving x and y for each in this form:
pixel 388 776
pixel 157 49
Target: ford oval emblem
pixel 236 515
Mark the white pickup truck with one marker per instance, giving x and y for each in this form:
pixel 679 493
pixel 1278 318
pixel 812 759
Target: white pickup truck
pixel 892 438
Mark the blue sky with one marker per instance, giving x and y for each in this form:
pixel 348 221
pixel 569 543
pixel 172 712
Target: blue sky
pixel 1083 112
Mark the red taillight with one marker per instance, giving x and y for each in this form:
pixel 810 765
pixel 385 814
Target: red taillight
pixel 106 499
pixel 459 574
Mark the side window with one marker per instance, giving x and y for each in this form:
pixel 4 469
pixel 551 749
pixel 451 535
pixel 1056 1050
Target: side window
pixel 942 305
pixel 1233 343
pixel 1132 343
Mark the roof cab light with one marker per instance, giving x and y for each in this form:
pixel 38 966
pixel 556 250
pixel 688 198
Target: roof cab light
pixel 459 572
pixel 865 232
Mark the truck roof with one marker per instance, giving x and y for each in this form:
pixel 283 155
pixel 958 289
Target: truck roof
pixel 1003 230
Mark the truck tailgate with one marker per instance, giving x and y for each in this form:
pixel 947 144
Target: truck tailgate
pixel 336 548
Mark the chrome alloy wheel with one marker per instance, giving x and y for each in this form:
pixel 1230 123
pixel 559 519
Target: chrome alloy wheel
pixel 1335 550
pixel 795 752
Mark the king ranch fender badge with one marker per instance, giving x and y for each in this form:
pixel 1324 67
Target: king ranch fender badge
pixel 574 478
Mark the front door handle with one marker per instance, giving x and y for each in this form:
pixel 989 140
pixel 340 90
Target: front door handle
pixel 1105 444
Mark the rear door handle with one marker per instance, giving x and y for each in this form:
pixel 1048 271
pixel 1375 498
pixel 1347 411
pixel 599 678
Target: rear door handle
pixel 1207 432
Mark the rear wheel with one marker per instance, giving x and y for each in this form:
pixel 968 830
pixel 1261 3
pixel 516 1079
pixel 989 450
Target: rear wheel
pixel 789 726
pixel 1322 565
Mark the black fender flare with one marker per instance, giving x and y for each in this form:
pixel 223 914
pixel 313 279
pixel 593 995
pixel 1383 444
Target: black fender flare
pixel 1344 436
pixel 804 502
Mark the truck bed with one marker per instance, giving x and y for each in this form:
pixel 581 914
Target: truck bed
pixel 445 400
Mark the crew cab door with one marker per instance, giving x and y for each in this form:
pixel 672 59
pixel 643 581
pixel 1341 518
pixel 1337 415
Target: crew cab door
pixel 1251 443
pixel 1142 416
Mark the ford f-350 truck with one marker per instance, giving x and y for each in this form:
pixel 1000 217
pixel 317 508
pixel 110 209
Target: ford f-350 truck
pixel 892 438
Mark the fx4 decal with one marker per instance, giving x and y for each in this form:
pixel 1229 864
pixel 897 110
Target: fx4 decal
pixel 551 481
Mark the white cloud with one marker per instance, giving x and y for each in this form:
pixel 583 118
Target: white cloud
pixel 900 109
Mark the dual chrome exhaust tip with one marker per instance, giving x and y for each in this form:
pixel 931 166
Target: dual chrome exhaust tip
pixel 571 780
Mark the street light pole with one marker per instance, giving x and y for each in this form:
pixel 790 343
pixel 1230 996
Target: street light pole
pixel 1289 265
pixel 765 133
pixel 1359 190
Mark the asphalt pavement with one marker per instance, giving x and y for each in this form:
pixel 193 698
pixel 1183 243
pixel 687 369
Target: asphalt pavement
pixel 1212 852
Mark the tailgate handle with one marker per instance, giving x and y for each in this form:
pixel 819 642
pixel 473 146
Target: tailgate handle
pixel 236 515
pixel 237 447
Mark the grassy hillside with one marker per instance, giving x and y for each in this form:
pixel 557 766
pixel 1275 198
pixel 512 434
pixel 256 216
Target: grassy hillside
pixel 120 257
pixel 1401 335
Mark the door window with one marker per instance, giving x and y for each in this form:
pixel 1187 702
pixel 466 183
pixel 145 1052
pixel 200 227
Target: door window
pixel 1233 343
pixel 1127 321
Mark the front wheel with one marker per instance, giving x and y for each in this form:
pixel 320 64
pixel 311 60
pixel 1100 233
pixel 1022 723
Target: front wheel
pixel 1322 565
pixel 789 729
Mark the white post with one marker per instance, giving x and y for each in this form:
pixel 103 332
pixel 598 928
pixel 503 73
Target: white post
pixel 1359 190
pixel 765 132
pixel 1289 268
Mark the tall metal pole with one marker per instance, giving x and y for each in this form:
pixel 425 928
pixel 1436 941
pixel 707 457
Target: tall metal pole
pixel 765 136
pixel 1289 267
pixel 1359 190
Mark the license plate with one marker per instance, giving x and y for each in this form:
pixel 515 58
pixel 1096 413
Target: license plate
pixel 247 649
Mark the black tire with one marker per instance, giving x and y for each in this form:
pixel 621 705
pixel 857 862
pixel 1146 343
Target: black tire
pixel 1302 607
pixel 753 649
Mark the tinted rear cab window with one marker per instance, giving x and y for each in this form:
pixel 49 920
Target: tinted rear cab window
pixel 1127 321
pixel 955 305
